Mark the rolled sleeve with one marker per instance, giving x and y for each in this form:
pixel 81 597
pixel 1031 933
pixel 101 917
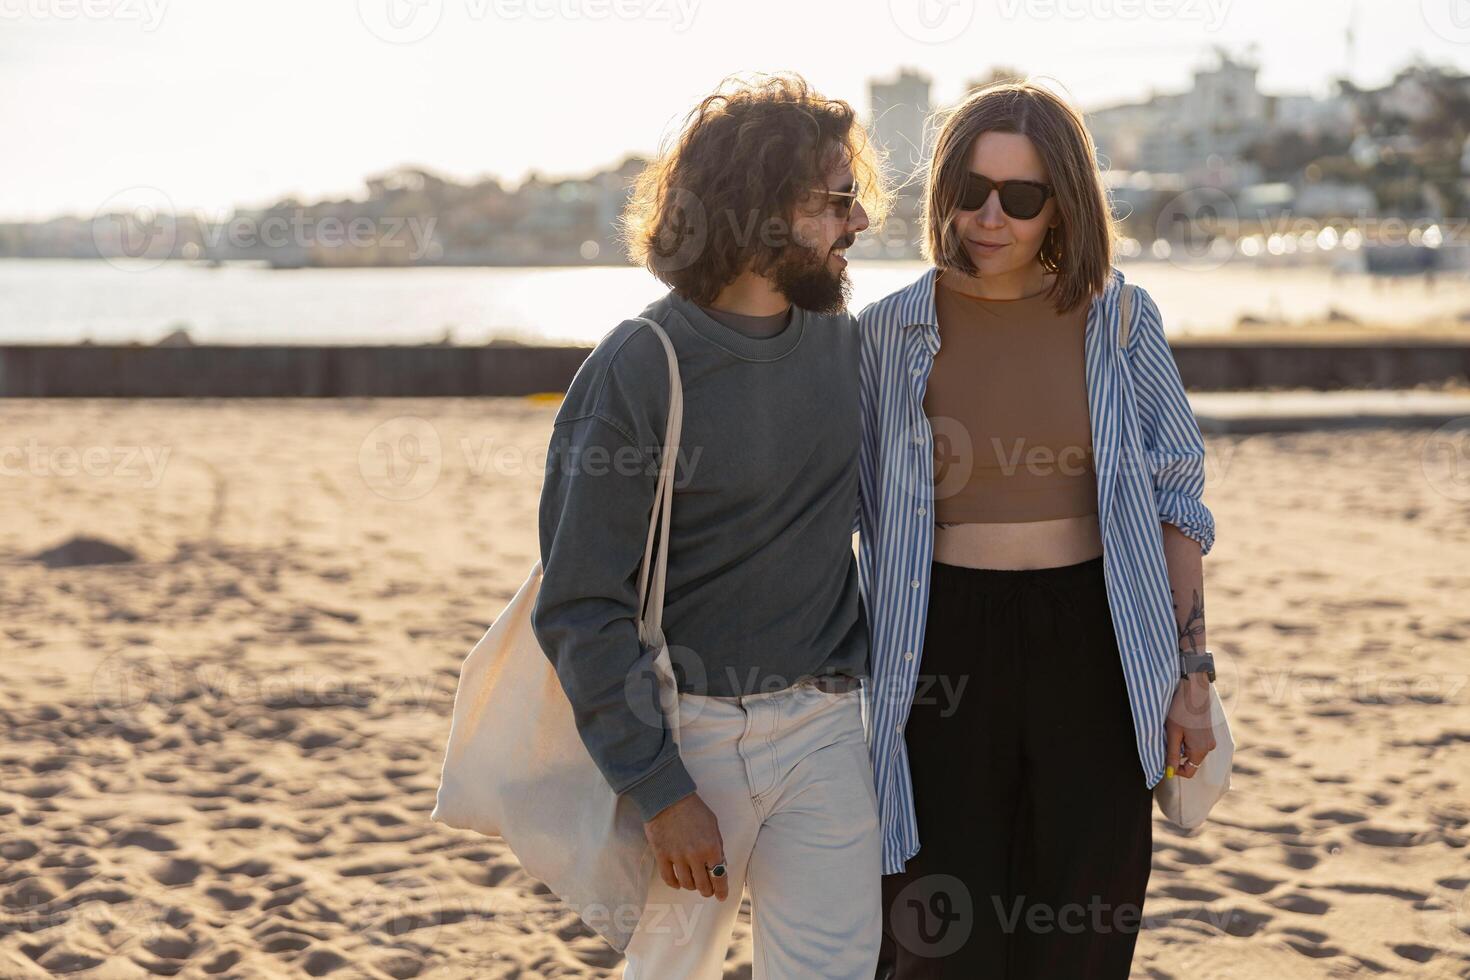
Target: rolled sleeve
pixel 1173 444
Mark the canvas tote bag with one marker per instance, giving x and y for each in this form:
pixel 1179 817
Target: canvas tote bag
pixel 1187 802
pixel 515 766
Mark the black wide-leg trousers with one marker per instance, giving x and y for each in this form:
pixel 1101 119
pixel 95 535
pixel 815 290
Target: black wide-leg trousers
pixel 1035 824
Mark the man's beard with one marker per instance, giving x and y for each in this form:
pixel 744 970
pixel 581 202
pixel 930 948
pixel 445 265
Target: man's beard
pixel 807 282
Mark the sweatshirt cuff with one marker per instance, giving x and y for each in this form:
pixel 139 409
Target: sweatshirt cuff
pixel 661 789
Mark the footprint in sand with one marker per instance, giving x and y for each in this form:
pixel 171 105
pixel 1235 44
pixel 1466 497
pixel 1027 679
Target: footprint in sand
pixel 1301 904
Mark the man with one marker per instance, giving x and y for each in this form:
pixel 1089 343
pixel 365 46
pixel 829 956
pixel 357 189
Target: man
pixel 746 218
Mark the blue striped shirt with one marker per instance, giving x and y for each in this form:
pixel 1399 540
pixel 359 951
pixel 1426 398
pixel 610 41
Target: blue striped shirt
pixel 1149 458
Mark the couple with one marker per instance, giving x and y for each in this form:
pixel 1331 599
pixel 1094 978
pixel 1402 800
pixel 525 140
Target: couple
pixel 1015 656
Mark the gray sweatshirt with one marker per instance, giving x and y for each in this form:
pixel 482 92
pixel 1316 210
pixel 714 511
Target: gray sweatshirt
pixel 762 583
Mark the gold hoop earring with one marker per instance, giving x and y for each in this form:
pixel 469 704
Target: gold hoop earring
pixel 1050 254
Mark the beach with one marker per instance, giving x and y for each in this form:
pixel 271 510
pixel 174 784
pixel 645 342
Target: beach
pixel 232 630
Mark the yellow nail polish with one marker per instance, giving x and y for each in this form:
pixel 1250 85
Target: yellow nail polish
pixel 1168 772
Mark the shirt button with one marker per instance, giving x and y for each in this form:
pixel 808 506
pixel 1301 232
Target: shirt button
pixel 923 511
pixel 914 583
pixel 908 655
pixel 898 728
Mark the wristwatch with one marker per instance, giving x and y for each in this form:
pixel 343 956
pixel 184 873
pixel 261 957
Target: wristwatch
pixel 1194 663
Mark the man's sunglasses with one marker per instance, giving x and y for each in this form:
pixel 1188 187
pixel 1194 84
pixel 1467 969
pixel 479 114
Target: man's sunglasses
pixel 845 200
pixel 1020 199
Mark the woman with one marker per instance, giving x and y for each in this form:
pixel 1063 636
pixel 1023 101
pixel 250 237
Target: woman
pixel 1030 511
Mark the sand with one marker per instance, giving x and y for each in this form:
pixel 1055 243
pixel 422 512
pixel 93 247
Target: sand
pixel 223 729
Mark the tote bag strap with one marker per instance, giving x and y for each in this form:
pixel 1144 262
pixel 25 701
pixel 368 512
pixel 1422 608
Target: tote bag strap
pixel 1125 304
pixel 654 572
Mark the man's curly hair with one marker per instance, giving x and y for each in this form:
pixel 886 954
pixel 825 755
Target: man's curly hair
pixel 723 196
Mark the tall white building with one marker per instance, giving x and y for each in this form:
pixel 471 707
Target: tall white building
pixel 1207 129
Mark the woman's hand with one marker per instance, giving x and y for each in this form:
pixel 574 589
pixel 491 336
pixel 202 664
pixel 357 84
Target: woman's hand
pixel 1188 728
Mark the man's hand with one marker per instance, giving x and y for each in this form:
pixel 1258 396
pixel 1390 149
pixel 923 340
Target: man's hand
pixel 1189 727
pixel 686 837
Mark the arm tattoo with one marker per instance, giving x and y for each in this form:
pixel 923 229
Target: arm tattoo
pixel 1194 624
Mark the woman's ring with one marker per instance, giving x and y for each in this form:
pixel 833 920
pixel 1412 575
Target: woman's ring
pixel 718 871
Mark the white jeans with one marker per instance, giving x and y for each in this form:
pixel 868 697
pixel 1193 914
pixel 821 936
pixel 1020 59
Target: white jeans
pixel 788 776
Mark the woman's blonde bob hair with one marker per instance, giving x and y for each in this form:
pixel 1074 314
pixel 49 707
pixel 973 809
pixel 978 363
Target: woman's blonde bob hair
pixel 1080 248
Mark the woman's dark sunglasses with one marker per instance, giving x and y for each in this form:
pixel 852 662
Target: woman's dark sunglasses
pixel 1020 199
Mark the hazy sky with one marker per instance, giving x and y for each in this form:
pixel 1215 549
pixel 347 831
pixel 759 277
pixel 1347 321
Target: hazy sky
pixel 221 102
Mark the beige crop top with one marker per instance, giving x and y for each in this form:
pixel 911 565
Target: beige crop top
pixel 1007 402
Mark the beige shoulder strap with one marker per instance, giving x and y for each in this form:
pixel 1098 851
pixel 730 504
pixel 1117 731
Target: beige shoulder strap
pixel 651 586
pixel 1125 307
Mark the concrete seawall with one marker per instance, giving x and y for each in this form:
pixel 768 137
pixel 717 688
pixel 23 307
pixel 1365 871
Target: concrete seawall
pixel 39 371
pixel 45 371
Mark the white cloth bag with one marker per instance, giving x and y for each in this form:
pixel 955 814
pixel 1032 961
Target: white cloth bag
pixel 1187 802
pixel 515 766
